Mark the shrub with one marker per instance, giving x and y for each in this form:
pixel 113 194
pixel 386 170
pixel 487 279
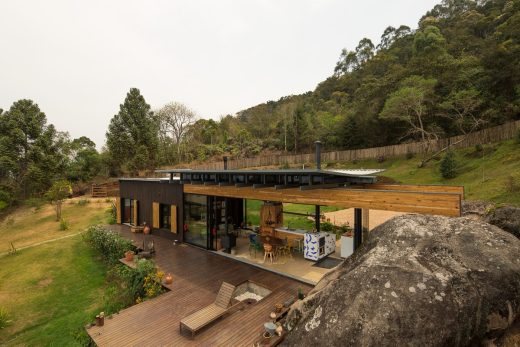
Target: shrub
pixel 110 244
pixel 83 202
pixel 112 214
pixel 3 205
pixel 141 283
pixel 409 155
pixel 512 183
pixel 64 225
pixel 449 165
pixel 36 203
pixel 5 318
pixel 381 159
pixel 478 148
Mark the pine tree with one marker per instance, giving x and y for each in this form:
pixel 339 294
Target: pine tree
pixel 449 165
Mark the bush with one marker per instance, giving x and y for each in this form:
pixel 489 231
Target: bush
pixel 409 155
pixel 478 148
pixel 512 183
pixel 112 214
pixel 141 283
pixel 449 165
pixel 64 225
pixel 381 159
pixel 83 202
pixel 5 318
pixel 110 244
pixel 3 205
pixel 36 203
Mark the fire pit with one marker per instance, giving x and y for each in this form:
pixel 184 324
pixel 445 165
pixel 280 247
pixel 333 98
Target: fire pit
pixel 250 292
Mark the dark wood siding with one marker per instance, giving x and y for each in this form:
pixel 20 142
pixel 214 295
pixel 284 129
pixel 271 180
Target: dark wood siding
pixel 147 192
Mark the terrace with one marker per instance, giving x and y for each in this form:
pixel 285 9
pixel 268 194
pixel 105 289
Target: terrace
pixel 197 275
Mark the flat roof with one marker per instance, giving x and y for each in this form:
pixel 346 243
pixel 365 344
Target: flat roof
pixel 333 172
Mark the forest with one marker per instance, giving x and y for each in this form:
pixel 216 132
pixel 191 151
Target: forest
pixel 457 72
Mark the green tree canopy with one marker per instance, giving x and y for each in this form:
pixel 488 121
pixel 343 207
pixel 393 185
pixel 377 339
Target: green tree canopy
pixel 132 136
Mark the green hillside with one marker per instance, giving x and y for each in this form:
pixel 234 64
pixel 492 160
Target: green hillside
pixel 486 174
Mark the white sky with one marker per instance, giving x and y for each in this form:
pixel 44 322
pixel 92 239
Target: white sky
pixel 78 59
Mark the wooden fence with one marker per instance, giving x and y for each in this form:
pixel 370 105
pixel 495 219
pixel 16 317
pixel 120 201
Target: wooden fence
pixel 495 134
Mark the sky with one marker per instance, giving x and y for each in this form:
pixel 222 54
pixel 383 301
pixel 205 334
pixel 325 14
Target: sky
pixel 78 59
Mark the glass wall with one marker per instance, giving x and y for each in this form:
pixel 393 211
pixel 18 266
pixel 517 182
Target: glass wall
pixel 195 219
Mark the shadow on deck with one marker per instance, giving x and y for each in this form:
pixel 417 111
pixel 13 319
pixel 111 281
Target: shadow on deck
pixel 197 276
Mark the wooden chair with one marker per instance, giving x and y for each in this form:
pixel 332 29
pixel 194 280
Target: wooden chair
pixel 198 320
pixel 268 252
pixel 284 250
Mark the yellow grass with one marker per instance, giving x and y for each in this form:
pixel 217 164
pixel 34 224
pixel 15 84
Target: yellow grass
pixel 29 226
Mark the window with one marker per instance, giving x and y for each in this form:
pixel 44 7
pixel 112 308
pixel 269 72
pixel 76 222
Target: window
pixel 128 211
pixel 164 216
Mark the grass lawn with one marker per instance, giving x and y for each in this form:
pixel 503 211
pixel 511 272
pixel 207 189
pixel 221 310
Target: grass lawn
pixel 253 214
pixel 30 225
pixel 51 290
pixel 483 174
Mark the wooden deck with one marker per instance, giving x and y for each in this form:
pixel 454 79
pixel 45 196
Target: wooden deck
pixel 197 276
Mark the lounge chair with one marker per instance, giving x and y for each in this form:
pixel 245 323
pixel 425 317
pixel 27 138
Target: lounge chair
pixel 198 320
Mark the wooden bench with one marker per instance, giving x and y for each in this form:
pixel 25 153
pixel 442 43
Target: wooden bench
pixel 198 320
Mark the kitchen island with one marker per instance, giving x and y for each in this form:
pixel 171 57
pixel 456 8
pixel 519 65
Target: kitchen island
pixel 316 246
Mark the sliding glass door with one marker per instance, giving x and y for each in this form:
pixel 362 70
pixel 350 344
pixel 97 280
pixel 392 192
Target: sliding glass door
pixel 195 220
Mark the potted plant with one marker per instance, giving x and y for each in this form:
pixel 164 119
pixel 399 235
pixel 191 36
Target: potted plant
pixel 301 296
pixel 129 255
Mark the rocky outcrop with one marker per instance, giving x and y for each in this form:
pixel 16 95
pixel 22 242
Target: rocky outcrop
pixel 417 281
pixel 505 217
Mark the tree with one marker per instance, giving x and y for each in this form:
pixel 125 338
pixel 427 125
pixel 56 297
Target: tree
pixel 462 106
pixel 174 121
pixel 410 104
pixel 32 153
pixel 85 161
pixel 132 136
pixel 449 165
pixel 59 191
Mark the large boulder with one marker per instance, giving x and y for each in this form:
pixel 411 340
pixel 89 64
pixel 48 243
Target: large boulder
pixel 505 217
pixel 416 281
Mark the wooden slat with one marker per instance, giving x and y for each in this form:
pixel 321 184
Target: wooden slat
pixel 136 212
pixel 155 215
pixel 118 210
pixel 447 204
pixel 198 275
pixel 173 219
pixel 418 188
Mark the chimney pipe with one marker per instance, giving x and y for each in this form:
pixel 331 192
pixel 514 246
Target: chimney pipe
pixel 318 155
pixel 225 162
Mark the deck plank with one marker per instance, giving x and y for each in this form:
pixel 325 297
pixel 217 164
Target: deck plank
pixel 197 276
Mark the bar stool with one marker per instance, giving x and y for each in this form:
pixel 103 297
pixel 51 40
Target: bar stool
pixel 298 244
pixel 268 252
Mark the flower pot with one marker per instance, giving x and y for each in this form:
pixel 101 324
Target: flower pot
pixel 168 279
pixel 100 320
pixel 129 255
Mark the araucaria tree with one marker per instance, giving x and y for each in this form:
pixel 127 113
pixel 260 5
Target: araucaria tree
pixel 132 136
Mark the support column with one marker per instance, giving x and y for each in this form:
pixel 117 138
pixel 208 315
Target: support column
pixel 317 214
pixel 358 228
pixel 365 223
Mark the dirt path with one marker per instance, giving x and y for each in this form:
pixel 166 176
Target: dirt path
pixel 376 217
